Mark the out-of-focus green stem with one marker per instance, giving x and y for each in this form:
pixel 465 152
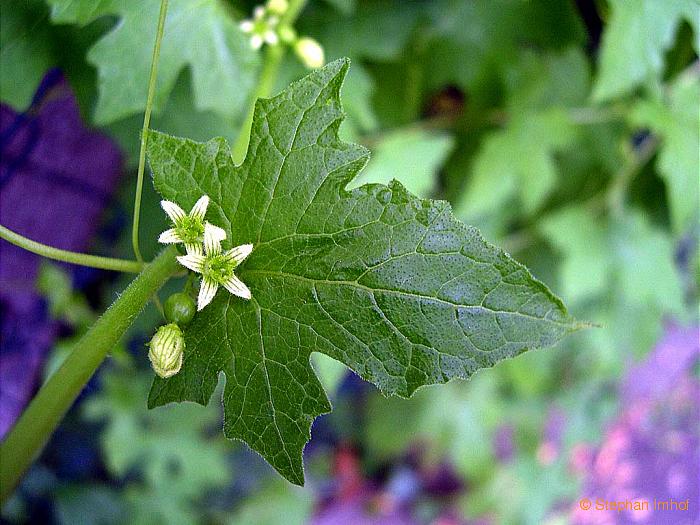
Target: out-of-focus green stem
pixel 40 419
pixel 266 82
pixel 144 131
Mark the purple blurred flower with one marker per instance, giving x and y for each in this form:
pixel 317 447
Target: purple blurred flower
pixel 394 500
pixel 56 177
pixel 550 447
pixel 504 443
pixel 670 361
pixel 652 451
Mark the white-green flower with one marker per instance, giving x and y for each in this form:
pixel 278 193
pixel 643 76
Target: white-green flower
pixel 188 228
pixel 262 28
pixel 217 267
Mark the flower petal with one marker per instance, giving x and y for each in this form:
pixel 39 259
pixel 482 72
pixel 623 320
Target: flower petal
pixel 207 291
pixel 169 237
pixel 271 37
pixel 212 239
pixel 194 248
pixel 219 233
pixel 174 212
pixel 192 261
pixel 246 26
pixel 256 41
pixel 237 287
pixel 239 253
pixel 199 209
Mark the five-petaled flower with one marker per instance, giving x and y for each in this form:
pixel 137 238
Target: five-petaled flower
pixel 216 266
pixel 188 228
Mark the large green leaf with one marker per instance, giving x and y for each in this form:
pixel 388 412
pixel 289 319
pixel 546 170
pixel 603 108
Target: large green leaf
pixel 201 35
pixel 635 40
pixel 391 285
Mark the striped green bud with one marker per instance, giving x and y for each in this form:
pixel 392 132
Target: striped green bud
pixel 166 349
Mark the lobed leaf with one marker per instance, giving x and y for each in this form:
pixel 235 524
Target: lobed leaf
pixel 389 284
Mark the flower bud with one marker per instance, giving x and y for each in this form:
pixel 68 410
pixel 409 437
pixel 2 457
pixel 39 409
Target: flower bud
pixel 310 52
pixel 278 7
pixel 166 349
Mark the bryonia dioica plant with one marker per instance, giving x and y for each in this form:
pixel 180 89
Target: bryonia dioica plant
pixel 289 262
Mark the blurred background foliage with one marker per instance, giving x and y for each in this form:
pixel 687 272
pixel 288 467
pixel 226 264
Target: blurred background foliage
pixel 567 131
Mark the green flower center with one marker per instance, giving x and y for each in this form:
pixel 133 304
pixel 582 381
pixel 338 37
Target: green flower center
pixel 218 268
pixel 190 229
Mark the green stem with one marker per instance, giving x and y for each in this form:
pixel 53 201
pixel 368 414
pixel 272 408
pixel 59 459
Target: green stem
pixel 46 410
pixel 144 131
pixel 266 82
pixel 94 261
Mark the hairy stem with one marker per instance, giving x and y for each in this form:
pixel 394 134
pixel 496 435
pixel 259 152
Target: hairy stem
pixel 83 259
pixel 40 419
pixel 266 82
pixel 144 131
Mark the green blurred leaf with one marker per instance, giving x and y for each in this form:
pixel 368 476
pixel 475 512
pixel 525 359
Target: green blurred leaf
pixel 25 52
pixel 677 120
pixel 634 42
pixel 628 255
pixel 391 285
pixel 456 421
pixel 172 451
pixel 90 505
pixel 517 164
pixel 357 35
pixel 200 35
pixel 473 42
pixel 276 504
pixel 179 117
pixel 544 80
pixel 329 371
pixel 344 6
pixel 588 261
pixel 411 156
pixel 622 272
pixel 65 304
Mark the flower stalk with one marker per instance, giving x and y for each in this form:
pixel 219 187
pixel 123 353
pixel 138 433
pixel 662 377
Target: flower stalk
pixel 266 81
